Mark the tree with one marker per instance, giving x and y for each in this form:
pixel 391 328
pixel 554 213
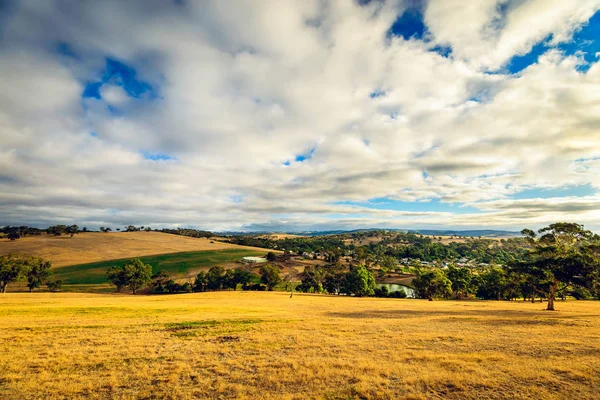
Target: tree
pixel 14 235
pixel 387 264
pixel 431 284
pixel 271 257
pixel 214 278
pixel 229 281
pixel 116 276
pixel 269 275
pixel 312 279
pixel 493 284
pixel 242 277
pixel 54 286
pixel 462 282
pixel 137 274
pixel 57 230
pixel 565 254
pixel 13 267
pixel 334 282
pixel 200 282
pixel 38 272
pixel 359 281
pixel 160 282
pixel 72 230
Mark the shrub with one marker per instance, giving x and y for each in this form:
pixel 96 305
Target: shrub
pixel 54 286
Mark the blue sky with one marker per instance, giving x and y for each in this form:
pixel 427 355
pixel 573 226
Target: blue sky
pixel 396 113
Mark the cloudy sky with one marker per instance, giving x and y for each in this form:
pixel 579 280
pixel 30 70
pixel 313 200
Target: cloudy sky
pixel 295 115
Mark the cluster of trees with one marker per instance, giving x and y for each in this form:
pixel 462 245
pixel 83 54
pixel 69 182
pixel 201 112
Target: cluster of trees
pixel 16 232
pixel 332 279
pixel 34 270
pixel 134 274
pixel 58 230
pixel 133 228
pixel 563 260
pixel 299 245
pixel 162 283
pixel 188 232
pixel 218 278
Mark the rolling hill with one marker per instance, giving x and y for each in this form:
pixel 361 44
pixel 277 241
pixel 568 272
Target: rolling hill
pixel 92 247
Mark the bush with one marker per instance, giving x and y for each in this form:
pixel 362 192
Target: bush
pixel 257 287
pixel 398 294
pixel 581 293
pixel 54 286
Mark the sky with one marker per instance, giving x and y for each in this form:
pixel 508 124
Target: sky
pixel 300 115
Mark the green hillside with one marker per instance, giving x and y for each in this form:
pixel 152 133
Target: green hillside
pixel 174 264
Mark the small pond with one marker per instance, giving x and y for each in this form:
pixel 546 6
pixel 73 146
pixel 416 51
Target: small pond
pixel 394 287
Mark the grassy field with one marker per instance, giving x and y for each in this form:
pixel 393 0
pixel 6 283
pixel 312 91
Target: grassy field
pixel 266 345
pixel 177 265
pixel 94 246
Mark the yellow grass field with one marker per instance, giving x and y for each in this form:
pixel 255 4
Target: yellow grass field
pixel 95 246
pixel 265 345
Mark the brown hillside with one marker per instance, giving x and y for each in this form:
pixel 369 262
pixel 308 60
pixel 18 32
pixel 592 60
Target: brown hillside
pixel 95 246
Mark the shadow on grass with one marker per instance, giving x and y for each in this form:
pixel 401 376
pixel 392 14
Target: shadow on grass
pixel 492 317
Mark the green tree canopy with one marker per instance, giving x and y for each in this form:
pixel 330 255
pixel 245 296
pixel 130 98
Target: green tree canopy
pixel 38 272
pixel 137 274
pixel 360 281
pixel 270 275
pixel 564 254
pixel 432 283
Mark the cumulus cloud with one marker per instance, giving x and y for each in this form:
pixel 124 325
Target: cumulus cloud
pixel 238 115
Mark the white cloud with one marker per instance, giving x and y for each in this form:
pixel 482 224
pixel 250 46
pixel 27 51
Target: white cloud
pixel 242 88
pixel 114 95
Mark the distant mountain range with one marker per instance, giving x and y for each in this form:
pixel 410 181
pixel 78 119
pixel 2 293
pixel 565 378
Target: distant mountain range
pixel 431 232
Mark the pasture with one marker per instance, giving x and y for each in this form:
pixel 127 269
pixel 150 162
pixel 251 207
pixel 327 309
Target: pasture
pixel 92 247
pixel 267 345
pixel 177 265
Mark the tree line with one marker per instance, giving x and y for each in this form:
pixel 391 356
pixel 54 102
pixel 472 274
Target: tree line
pixel 16 232
pixel 135 275
pixel 563 259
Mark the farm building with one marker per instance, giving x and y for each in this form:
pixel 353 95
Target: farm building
pixel 254 260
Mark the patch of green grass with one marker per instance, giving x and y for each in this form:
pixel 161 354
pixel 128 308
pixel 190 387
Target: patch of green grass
pixel 210 327
pixel 174 264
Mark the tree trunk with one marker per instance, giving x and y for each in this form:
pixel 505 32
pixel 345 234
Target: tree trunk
pixel 133 289
pixel 552 296
pixel 3 288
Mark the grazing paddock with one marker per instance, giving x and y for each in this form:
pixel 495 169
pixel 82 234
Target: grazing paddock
pixel 267 345
pixel 95 246
pixel 177 265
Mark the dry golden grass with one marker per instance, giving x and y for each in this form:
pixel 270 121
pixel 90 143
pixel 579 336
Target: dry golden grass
pixel 94 246
pixel 266 345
